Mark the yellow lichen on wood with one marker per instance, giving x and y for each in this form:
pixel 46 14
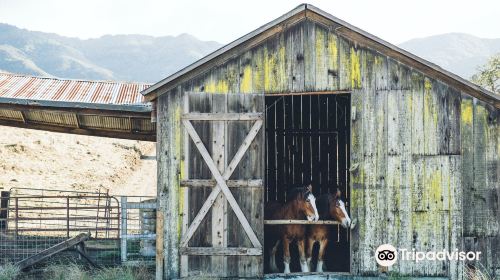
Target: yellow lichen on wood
pixel 274 68
pixel 220 86
pixel 355 69
pixel 427 85
pixel 269 63
pixel 333 51
pixel 210 86
pixel 258 70
pixel 246 79
pixel 467 111
pixel 319 50
pixel 435 185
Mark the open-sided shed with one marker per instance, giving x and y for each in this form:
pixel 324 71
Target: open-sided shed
pixel 97 108
pixel 308 97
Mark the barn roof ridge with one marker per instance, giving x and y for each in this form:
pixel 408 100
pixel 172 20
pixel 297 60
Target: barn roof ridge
pixel 439 73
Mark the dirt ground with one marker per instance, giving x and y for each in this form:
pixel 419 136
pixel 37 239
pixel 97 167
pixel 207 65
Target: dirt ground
pixel 40 159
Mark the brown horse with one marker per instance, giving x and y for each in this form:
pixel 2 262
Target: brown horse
pixel 330 207
pixel 300 205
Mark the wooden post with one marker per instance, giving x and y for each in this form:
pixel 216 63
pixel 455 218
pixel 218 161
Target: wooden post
pixel 17 215
pixel 169 157
pixel 67 217
pixel 4 213
pixel 123 237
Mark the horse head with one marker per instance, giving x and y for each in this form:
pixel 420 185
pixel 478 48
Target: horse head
pixel 306 202
pixel 337 210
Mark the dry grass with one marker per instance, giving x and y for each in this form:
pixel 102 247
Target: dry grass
pixel 77 272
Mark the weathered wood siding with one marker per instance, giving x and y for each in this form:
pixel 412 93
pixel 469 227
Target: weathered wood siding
pixel 480 126
pixel 424 156
pixel 169 162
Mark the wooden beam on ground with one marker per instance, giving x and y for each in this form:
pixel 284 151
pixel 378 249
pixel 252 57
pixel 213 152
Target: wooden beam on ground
pixel 86 257
pixel 65 245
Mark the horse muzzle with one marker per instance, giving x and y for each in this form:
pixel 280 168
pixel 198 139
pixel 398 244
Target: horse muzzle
pixel 346 223
pixel 312 218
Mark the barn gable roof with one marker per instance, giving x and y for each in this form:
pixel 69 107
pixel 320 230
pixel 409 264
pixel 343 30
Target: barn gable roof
pixel 344 29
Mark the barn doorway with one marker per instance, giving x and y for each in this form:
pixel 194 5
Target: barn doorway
pixel 308 140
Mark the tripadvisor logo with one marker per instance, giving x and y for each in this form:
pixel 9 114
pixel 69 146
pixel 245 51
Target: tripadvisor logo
pixel 387 255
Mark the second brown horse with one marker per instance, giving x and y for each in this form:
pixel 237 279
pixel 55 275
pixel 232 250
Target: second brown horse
pixel 330 207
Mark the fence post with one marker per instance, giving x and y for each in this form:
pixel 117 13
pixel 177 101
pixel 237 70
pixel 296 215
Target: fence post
pixel 67 216
pixel 17 215
pixel 124 229
pixel 4 213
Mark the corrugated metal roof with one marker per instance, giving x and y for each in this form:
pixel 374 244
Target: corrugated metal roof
pixel 63 90
pixel 100 108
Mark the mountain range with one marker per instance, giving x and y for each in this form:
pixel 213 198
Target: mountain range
pixel 121 57
pixel 149 59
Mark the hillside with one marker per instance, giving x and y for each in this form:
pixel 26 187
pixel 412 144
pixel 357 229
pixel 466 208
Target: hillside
pixel 48 160
pixel 121 57
pixel 459 53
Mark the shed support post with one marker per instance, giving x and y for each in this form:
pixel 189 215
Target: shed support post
pixel 124 230
pixel 169 157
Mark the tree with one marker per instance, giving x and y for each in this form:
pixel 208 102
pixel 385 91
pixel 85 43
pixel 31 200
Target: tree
pixel 488 75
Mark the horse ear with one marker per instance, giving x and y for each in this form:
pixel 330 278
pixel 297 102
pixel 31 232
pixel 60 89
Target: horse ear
pixel 309 188
pixel 338 193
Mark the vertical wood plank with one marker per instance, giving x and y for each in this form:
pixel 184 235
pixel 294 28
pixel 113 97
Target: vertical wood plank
pixel 309 56
pixel 295 64
pixel 184 262
pixel 431 116
pixel 219 208
pixel 417 124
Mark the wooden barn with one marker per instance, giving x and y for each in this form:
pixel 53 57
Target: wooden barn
pixel 414 148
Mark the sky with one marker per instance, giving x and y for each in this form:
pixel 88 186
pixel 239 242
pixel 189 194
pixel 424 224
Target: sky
pixel 395 21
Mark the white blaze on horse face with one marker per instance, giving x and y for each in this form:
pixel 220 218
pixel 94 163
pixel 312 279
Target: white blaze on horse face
pixel 346 222
pixel 312 200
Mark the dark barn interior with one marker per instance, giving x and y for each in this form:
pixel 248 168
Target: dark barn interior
pixel 307 140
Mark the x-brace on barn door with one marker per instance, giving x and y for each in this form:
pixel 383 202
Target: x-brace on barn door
pixel 224 154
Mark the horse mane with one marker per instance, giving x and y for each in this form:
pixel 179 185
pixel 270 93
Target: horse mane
pixel 323 205
pixel 294 193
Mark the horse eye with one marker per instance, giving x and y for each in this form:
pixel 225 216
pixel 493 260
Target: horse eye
pixel 307 200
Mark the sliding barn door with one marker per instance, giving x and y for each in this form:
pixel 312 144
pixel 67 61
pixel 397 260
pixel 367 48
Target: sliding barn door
pixel 222 187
